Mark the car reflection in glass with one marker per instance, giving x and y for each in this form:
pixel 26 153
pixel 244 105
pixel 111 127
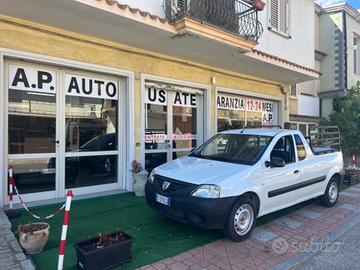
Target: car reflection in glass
pixel 88 165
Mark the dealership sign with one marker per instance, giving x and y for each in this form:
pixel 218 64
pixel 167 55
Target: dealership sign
pixel 236 103
pixel 231 103
pixel 161 96
pixel 82 86
pixel 44 81
pixel 32 79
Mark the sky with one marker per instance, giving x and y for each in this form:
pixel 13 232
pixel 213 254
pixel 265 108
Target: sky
pixel 354 3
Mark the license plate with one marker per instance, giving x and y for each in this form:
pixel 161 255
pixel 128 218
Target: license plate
pixel 162 199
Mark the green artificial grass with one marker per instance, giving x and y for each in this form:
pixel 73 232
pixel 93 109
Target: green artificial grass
pixel 155 237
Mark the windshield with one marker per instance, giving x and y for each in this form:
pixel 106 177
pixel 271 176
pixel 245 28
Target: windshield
pixel 236 148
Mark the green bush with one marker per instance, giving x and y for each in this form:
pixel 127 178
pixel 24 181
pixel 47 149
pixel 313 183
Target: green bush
pixel 346 116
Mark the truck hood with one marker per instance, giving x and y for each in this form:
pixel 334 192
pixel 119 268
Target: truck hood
pixel 199 171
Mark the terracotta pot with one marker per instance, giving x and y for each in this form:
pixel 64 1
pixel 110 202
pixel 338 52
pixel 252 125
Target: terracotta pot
pixel 258 5
pixel 35 241
pixel 139 182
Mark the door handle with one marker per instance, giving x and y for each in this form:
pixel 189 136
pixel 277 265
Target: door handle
pixel 296 171
pixel 57 141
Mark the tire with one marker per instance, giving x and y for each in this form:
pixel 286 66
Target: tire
pixel 331 195
pixel 239 230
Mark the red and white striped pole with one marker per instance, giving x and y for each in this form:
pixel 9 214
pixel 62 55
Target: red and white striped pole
pixel 11 188
pixel 69 196
pixel 354 160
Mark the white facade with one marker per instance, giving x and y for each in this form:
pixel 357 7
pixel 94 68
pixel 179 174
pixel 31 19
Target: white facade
pixel 308 106
pixel 297 47
pixel 339 25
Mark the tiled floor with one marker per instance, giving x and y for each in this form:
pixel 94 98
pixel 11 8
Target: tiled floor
pixel 271 243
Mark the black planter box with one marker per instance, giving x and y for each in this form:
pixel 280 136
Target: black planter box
pixel 104 258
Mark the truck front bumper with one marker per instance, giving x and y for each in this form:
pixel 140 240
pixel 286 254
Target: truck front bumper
pixel 206 213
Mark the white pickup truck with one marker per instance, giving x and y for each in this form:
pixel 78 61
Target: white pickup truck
pixel 239 175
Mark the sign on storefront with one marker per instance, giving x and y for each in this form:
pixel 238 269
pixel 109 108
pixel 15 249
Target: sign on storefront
pixel 44 81
pixel 77 85
pixel 160 97
pixel 32 79
pixel 238 103
pixel 231 103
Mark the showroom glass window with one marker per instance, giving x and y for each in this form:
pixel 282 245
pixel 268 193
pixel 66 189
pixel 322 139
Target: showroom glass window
pixel 91 130
pixel 32 126
pixel 237 112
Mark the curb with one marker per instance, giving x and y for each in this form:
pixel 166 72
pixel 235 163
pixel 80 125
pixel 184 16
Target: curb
pixel 306 256
pixel 12 245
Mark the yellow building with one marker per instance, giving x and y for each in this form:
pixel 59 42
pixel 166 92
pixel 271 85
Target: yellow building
pixel 87 86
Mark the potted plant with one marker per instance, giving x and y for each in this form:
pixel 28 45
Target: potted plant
pixel 140 178
pixel 105 251
pixel 258 5
pixel 33 236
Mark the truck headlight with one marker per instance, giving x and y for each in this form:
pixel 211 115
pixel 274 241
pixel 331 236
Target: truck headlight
pixel 151 177
pixel 207 191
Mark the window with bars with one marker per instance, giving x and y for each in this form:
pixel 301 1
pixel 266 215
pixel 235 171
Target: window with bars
pixel 279 16
pixel 293 90
pixel 356 47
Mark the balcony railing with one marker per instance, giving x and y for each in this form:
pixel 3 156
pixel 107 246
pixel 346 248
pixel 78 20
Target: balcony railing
pixel 236 16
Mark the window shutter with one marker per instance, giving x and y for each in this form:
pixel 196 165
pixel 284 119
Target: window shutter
pixel 274 14
pixel 283 16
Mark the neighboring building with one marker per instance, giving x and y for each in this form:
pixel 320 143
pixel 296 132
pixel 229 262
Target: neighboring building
pixel 87 86
pixel 304 99
pixel 340 41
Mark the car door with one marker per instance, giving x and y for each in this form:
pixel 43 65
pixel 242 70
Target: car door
pixel 279 183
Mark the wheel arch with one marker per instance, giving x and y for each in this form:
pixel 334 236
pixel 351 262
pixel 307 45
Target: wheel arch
pixel 254 197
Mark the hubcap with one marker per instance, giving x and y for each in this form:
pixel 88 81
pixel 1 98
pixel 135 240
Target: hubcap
pixel 243 220
pixel 333 192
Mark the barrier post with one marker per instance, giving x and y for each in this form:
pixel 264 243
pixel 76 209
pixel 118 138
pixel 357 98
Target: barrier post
pixel 69 196
pixel 11 213
pixel 353 160
pixel 11 188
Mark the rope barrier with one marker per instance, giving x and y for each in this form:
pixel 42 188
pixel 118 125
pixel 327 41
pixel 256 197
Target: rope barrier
pixel 12 187
pixel 56 213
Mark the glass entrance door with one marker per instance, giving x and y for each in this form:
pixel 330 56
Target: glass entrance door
pixel 62 130
pixel 32 132
pixel 173 124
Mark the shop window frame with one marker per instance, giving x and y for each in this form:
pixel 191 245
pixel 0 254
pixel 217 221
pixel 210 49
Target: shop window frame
pixel 126 154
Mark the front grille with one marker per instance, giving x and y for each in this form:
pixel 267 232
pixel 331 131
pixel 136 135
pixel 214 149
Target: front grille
pixel 174 187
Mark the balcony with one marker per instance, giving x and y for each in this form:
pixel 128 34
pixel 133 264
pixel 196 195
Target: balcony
pixel 238 17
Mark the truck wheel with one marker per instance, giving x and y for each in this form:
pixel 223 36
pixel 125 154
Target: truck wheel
pixel 241 220
pixel 331 195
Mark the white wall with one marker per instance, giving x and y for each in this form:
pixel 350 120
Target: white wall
pixel 154 7
pixel 353 26
pixel 329 23
pixel 300 47
pixel 308 106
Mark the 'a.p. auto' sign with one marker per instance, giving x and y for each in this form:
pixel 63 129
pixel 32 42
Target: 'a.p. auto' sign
pixel 83 86
pixel 44 81
pixel 32 79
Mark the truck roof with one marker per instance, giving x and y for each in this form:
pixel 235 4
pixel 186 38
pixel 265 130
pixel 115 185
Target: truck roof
pixel 264 131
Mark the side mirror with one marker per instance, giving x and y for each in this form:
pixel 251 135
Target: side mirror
pixel 275 162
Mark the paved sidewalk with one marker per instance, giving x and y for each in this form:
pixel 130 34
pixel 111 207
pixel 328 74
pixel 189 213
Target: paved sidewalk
pixel 344 253
pixel 281 244
pixel 11 254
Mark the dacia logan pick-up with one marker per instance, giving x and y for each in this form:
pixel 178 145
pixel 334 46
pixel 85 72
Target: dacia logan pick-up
pixel 240 175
